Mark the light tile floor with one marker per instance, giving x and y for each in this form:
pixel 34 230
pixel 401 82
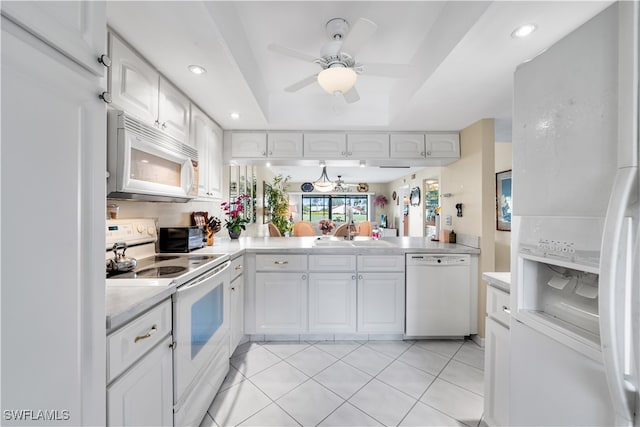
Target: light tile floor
pixel 352 383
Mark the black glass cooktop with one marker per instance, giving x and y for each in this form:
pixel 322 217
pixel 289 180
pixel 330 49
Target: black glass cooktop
pixel 165 266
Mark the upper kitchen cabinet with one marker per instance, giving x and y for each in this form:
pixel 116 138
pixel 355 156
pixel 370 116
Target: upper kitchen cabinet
pixel 173 111
pixel 368 146
pixel 407 146
pixel 74 28
pixel 284 145
pixel 249 144
pixel 443 145
pixel 206 137
pixel 133 83
pixel 323 146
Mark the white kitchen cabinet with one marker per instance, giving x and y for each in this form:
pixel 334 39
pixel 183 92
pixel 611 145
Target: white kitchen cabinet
pixel 407 146
pixel 443 145
pixel 332 302
pixel 368 146
pixel 143 396
pixel 173 111
pixel 324 146
pixel 380 263
pixel 249 144
pixel 281 303
pixel 206 137
pixel 133 82
pixel 381 302
pixel 54 355
pixel 236 295
pixel 284 145
pixel 75 28
pixel 497 350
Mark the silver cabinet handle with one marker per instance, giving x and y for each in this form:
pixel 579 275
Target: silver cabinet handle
pixel 422 153
pixel 360 276
pixel 353 277
pixel 237 267
pixel 428 153
pixel 343 153
pixel 105 60
pixel 233 288
pixel 164 125
pixel 264 153
pixel 281 262
pixel 157 122
pixel 173 345
pixel 271 153
pixel 152 331
pixel 106 97
pixel 304 277
pixel 506 309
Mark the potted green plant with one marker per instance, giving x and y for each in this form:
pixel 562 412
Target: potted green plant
pixel 278 201
pixel 235 221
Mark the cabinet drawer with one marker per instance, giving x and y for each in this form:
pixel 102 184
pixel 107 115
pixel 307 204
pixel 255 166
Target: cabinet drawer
pixel 380 263
pixel 498 305
pixel 330 263
pixel 237 267
pixel 281 262
pixel 129 343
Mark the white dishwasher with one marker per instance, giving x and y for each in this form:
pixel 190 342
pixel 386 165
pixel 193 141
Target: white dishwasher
pixel 438 295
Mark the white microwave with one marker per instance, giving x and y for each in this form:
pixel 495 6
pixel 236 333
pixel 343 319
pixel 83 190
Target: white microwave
pixel 144 163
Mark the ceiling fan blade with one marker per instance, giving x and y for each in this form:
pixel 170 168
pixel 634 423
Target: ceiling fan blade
pixel 386 70
pixel 291 52
pixel 361 31
pixel 302 83
pixel 351 96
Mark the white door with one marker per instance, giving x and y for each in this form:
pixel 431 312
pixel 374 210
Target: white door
pixel 407 146
pixel 325 146
pixel 381 302
pixel 76 28
pixel 173 111
pixel 284 145
pixel 133 83
pixel 332 302
pixel 60 305
pixel 249 144
pixel 368 146
pixel 281 302
pixel 144 395
pixel 496 374
pixel 443 145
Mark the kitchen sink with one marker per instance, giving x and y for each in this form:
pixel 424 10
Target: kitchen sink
pixel 332 243
pixel 372 243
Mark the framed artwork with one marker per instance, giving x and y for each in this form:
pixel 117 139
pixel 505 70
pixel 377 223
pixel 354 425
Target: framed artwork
pixel 266 211
pixel 503 200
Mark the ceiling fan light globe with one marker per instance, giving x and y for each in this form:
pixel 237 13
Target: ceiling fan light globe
pixel 337 79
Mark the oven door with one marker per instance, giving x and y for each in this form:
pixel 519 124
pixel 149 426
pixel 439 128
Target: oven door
pixel 200 326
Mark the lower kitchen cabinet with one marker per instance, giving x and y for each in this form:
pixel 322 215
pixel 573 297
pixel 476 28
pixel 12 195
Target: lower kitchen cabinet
pixel 143 396
pixel 332 302
pixel 281 303
pixel 496 408
pixel 236 326
pixel 381 302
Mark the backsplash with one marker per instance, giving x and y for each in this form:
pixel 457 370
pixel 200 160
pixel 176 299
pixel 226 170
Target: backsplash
pixel 167 214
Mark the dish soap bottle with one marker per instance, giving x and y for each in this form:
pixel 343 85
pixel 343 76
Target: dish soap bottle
pixel 452 237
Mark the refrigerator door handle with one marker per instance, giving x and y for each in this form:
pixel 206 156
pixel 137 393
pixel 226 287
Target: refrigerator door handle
pixel 612 283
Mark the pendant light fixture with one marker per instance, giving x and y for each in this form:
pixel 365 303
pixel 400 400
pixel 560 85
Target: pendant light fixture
pixel 323 184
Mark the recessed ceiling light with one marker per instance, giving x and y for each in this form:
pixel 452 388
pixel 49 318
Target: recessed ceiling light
pixel 234 116
pixel 523 31
pixel 196 69
pixel 363 163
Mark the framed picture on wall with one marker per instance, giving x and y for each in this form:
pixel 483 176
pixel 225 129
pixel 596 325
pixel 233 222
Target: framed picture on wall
pixel 503 200
pixel 266 211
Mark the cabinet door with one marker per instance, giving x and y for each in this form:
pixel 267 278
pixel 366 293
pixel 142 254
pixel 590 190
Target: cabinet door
pixel 284 145
pixel 496 374
pixel 381 302
pixel 407 146
pixel 249 144
pixel 324 146
pixel 214 157
pixel 173 111
pixel 133 83
pixel 144 395
pixel 199 136
pixel 281 302
pixel 332 302
pixel 443 145
pixel 52 119
pixel 368 146
pixel 236 326
pixel 76 28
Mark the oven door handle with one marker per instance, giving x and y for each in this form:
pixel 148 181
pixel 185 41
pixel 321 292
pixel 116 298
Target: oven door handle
pixel 199 281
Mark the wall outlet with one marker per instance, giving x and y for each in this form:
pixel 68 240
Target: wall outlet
pixel 448 220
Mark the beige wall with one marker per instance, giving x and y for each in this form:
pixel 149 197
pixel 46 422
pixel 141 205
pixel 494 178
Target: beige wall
pixel 503 238
pixel 167 214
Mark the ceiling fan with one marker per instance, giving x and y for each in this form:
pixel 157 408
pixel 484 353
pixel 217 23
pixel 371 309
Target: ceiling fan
pixel 341 186
pixel 337 59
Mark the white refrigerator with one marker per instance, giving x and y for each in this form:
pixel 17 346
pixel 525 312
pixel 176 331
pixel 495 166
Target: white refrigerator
pixel 575 329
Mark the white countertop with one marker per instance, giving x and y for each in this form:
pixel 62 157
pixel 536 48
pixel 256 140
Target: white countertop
pixel 500 280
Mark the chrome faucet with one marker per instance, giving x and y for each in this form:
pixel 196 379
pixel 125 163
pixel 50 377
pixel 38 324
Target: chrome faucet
pixel 351 229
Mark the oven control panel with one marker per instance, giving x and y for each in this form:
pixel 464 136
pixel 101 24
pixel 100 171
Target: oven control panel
pixel 130 231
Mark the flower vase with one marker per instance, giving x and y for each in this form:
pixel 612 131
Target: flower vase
pixel 234 234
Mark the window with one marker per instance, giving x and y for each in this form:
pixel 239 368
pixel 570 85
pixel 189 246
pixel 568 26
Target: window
pixel 315 208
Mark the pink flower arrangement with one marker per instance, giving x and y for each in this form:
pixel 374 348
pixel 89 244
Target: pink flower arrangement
pixel 233 211
pixel 326 225
pixel 380 200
